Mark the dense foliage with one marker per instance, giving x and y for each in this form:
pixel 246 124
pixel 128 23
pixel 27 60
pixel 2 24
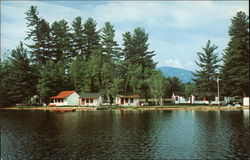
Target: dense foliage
pixel 207 76
pixel 235 71
pixel 81 57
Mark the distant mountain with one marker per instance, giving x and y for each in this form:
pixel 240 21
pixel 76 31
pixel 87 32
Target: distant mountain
pixel 183 74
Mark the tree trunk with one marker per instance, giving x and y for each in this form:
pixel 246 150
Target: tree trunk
pixel 161 101
pixel 126 85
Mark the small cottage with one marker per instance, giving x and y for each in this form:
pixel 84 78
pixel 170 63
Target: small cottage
pixel 65 98
pixel 178 99
pixel 128 100
pixel 90 99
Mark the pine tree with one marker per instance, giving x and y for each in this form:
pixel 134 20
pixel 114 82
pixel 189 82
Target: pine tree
pixel 173 85
pixel 61 41
pixel 52 79
pixel 207 75
pixel 77 37
pixel 91 37
pixel 21 78
pixel 4 83
pixel 235 71
pixel 39 33
pixel 78 71
pixel 136 52
pixel 109 45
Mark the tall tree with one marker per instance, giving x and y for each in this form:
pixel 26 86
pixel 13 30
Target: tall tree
pixel 91 37
pixel 39 33
pixel 110 46
pixel 136 52
pixel 157 87
pixel 207 75
pixel 77 37
pixel 61 41
pixel 77 72
pixel 20 79
pixel 4 83
pixel 52 79
pixel 136 48
pixel 235 71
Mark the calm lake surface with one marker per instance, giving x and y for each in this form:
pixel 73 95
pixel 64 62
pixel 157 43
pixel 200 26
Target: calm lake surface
pixel 124 135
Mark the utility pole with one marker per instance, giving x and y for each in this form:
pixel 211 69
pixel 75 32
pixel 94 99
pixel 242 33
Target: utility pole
pixel 218 87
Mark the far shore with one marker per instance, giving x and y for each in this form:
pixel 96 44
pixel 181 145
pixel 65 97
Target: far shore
pixel 174 107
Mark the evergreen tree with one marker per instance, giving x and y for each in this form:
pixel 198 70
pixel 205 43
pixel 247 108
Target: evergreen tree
pixel 52 80
pixel 61 41
pixel 207 75
pixel 77 71
pixel 77 37
pixel 39 33
pixel 5 85
pixel 110 46
pixel 173 85
pixel 91 37
pixel 235 71
pixel 20 79
pixel 136 52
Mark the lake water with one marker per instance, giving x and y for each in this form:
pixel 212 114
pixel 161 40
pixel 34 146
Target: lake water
pixel 124 135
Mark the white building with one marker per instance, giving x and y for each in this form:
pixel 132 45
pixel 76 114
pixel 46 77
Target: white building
pixel 176 99
pixel 90 99
pixel 246 101
pixel 65 98
pixel 127 100
pixel 194 100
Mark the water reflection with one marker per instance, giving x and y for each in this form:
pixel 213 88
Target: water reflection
pixel 126 134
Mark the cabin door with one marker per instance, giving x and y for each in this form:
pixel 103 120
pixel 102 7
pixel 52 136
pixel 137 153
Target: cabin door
pixel 122 100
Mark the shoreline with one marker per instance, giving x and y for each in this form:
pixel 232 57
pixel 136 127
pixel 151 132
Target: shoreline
pixel 70 109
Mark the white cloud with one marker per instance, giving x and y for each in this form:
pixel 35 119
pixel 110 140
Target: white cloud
pixel 160 19
pixel 173 63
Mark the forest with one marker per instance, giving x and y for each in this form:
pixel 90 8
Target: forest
pixel 79 56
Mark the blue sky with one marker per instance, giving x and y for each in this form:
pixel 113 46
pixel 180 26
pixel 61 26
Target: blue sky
pixel 177 29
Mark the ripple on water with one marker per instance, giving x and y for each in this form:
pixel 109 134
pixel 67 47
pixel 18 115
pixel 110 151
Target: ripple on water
pixel 124 135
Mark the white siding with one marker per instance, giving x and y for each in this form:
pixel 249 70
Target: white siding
pixel 72 100
pixel 179 100
pixel 96 102
pixel 136 102
pixel 246 101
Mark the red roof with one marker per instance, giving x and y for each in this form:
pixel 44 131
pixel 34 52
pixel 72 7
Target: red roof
pixel 63 94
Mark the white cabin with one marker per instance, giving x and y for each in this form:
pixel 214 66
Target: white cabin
pixel 90 99
pixel 127 100
pixel 65 98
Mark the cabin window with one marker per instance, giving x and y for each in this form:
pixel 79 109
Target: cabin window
pixel 126 100
pixel 87 100
pixel 131 100
pixel 91 101
pixel 51 100
pixel 61 100
pixel 176 98
pixel 82 100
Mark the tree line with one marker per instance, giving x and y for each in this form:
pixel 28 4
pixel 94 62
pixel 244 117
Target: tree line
pixel 233 74
pixel 78 56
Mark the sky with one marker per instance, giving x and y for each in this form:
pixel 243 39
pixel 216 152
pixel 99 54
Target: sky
pixel 177 29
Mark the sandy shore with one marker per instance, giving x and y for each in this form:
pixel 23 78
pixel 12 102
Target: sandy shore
pixel 205 108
